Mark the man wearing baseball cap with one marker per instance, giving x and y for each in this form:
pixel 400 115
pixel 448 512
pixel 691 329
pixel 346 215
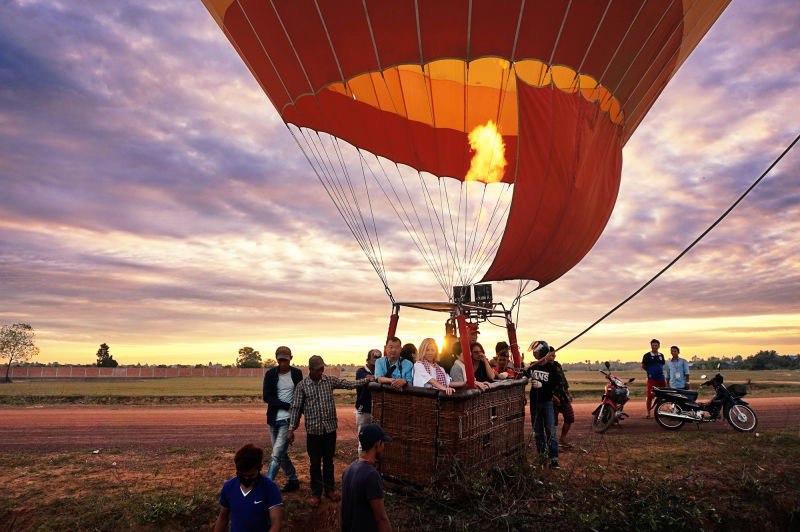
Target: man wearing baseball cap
pixel 362 488
pixel 313 398
pixel 278 393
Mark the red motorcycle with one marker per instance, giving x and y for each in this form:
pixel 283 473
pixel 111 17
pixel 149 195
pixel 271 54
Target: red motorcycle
pixel 614 399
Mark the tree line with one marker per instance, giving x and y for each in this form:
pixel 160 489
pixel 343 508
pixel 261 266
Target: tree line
pixel 18 346
pixel 763 360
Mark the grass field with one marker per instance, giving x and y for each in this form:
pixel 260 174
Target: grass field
pixel 693 480
pixel 584 384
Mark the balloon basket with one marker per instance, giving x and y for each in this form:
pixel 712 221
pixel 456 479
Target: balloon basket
pixel 432 432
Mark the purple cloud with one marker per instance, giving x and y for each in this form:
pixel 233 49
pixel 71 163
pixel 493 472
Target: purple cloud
pixel 151 196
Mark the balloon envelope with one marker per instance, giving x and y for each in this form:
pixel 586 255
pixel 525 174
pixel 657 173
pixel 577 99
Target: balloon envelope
pixel 538 96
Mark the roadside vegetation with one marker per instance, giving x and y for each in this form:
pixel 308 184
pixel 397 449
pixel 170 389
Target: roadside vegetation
pixel 209 390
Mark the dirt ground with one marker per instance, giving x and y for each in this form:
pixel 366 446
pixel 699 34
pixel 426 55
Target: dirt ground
pixel 159 468
pixel 62 428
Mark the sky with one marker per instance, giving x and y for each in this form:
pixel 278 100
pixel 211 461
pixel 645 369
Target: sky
pixel 151 198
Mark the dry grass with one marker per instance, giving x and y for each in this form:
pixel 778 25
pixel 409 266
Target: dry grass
pixel 684 481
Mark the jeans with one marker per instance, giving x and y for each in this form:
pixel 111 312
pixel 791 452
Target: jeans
pixel 362 418
pixel 544 426
pixel 321 448
pixel 280 455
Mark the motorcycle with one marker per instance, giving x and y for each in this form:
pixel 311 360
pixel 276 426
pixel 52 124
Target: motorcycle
pixel 675 407
pixel 613 401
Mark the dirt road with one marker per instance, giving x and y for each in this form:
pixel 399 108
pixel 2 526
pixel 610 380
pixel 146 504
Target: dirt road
pixel 88 428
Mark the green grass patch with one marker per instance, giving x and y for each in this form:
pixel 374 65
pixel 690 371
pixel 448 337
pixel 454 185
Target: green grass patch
pixel 176 510
pixel 212 390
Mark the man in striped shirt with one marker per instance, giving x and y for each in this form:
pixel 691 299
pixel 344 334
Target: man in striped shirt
pixel 313 397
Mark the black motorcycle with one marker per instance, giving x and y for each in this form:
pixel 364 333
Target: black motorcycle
pixel 675 407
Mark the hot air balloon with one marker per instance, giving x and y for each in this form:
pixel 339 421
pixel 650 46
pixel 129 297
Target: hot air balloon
pixel 492 129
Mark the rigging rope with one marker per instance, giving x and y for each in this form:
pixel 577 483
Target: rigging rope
pixel 689 247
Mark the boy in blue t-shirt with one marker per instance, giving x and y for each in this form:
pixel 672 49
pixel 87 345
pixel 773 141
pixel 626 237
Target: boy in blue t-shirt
pixel 250 501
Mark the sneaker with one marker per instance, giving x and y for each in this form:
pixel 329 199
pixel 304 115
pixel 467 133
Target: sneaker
pixel 332 495
pixel 292 485
pixel 554 465
pixel 315 501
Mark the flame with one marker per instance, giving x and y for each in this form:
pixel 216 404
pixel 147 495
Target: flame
pixel 489 162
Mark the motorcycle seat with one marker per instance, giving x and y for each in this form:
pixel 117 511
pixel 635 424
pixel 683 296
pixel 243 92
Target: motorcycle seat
pixel 672 392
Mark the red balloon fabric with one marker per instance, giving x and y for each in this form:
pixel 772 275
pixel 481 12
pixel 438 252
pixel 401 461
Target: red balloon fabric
pixel 550 91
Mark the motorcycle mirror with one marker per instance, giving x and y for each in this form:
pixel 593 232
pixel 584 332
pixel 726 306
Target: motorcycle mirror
pixel 632 379
pixel 718 365
pixel 704 376
pixel 608 366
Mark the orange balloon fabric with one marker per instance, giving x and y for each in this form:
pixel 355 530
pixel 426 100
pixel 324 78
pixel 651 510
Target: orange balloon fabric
pixel 565 83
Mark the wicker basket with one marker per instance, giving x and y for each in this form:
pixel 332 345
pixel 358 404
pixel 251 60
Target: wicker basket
pixel 431 430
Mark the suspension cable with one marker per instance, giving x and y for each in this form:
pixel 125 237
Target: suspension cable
pixel 689 247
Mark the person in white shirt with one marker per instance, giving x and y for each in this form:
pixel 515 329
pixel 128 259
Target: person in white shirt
pixel 429 374
pixel 677 370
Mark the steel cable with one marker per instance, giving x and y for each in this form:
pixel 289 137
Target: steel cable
pixel 689 247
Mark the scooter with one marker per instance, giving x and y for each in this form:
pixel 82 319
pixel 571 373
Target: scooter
pixel 675 407
pixel 614 399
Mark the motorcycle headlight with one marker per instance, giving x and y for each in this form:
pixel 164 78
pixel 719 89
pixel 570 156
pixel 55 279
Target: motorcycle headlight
pixel 618 382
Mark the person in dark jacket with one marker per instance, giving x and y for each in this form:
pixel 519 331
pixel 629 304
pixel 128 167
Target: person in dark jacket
pixel 279 383
pixel 544 379
pixel 363 395
pixel 562 403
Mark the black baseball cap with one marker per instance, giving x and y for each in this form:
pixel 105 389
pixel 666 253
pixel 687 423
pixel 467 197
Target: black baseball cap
pixel 371 434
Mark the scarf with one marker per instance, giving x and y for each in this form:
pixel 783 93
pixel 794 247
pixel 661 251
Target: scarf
pixel 439 372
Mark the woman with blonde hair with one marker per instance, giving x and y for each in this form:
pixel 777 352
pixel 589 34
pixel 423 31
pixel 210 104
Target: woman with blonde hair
pixel 429 374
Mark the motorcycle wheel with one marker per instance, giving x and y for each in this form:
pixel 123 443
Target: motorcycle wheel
pixel 741 418
pixel 603 419
pixel 666 422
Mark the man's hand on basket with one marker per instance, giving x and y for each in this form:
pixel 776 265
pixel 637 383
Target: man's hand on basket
pixel 398 383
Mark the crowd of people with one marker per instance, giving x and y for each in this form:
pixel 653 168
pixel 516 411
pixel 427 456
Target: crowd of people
pixel 252 501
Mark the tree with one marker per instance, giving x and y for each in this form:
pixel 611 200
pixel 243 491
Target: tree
pixel 248 358
pixel 270 363
pixel 104 358
pixel 17 344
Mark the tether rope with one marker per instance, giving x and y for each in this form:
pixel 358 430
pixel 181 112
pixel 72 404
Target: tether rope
pixel 689 247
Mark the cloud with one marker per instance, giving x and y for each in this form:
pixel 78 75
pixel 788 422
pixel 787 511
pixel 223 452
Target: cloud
pixel 152 198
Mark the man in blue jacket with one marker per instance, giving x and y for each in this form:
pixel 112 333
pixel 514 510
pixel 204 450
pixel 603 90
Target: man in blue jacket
pixel 279 383
pixel 391 369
